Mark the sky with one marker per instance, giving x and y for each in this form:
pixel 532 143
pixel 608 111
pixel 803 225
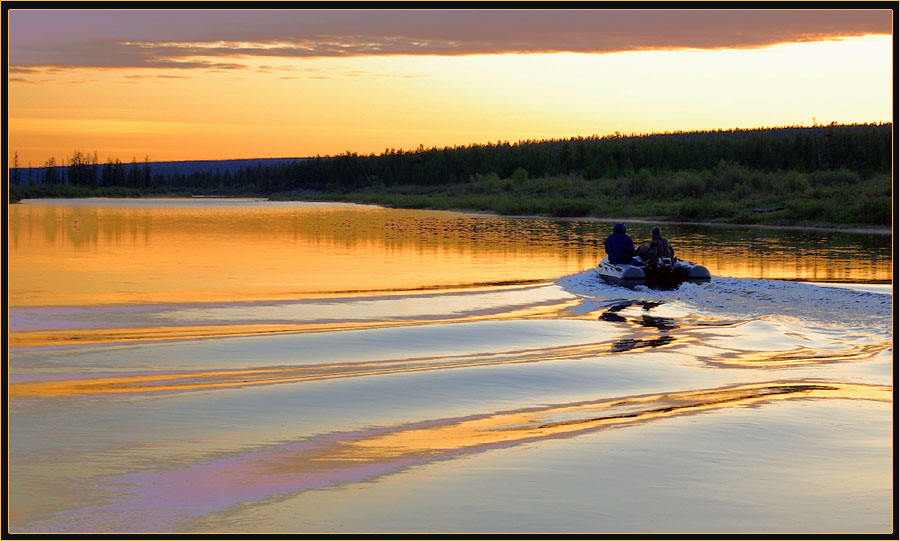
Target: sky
pixel 169 85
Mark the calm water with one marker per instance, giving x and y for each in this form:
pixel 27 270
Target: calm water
pixel 251 366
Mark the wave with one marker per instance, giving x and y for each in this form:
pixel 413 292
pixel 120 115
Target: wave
pixel 71 326
pixel 744 299
pixel 293 467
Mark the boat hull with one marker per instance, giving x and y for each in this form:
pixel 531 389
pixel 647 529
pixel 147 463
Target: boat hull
pixel 666 277
pixel 621 274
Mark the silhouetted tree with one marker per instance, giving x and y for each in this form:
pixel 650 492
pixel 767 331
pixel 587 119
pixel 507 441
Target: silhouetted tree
pixel 50 173
pixel 15 171
pixel 80 170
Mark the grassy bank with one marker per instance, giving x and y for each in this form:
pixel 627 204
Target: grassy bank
pixel 727 194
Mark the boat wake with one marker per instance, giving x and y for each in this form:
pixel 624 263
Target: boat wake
pixel 742 299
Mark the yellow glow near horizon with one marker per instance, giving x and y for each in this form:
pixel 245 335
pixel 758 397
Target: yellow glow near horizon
pixel 285 107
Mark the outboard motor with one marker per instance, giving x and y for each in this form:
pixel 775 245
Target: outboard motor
pixel 664 262
pixel 662 274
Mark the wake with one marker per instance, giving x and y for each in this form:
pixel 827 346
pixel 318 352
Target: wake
pixel 741 298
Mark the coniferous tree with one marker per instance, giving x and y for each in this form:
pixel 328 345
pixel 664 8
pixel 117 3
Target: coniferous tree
pixel 50 173
pixel 107 175
pixel 15 174
pixel 80 171
pixel 145 173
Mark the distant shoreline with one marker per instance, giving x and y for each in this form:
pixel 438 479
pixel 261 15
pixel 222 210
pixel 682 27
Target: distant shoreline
pixel 844 228
pixel 435 203
pixel 657 221
pixel 827 227
pixel 825 177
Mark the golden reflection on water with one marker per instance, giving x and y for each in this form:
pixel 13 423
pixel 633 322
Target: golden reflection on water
pixel 552 421
pixel 792 358
pixel 205 380
pixel 68 337
pixel 64 255
pixel 555 421
pixel 202 380
pixel 119 252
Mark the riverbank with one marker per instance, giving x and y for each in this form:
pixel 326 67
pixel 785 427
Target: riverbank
pixel 432 205
pixel 834 176
pixel 727 194
pixel 862 229
pixel 843 228
pixel 837 209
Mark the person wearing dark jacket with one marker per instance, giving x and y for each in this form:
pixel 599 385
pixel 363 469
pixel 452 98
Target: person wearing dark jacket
pixel 659 247
pixel 619 246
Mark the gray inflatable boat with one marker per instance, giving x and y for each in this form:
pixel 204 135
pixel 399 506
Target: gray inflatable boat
pixel 667 274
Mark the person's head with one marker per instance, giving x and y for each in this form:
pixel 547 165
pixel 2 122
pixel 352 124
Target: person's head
pixel 619 228
pixel 655 232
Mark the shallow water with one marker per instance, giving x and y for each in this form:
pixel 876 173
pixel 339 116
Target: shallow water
pixel 247 366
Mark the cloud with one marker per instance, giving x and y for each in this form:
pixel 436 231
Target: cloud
pixel 156 77
pixel 22 70
pixel 217 39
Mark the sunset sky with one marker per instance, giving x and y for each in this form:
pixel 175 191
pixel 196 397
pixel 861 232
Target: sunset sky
pixel 196 84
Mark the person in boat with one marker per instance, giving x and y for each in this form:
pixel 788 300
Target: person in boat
pixel 659 247
pixel 620 247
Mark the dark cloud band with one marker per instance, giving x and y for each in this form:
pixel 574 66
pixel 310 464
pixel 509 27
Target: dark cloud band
pixel 176 39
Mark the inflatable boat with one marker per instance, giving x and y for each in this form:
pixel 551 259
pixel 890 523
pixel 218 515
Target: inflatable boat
pixel 667 274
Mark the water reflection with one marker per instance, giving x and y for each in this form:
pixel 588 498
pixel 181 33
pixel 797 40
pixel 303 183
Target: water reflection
pixel 108 251
pixel 630 343
pixel 325 461
pixel 807 255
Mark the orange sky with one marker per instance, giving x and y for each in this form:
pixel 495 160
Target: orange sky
pixel 251 84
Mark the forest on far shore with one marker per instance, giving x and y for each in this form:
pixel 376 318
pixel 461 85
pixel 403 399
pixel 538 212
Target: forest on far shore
pixel 835 174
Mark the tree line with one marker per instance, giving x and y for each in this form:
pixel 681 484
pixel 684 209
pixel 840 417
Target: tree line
pixel 866 149
pixel 83 169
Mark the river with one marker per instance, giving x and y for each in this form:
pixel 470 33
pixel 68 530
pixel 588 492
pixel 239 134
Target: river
pixel 246 366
